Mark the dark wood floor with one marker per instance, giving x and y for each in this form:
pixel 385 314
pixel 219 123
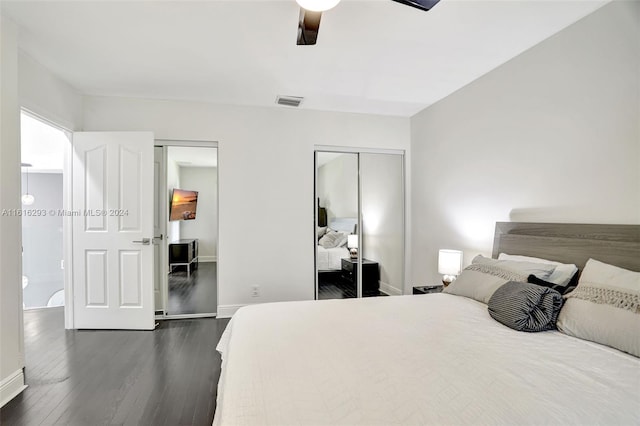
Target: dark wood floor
pixel 164 377
pixel 332 286
pixel 194 294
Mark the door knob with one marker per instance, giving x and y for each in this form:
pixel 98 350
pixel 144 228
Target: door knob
pixel 144 241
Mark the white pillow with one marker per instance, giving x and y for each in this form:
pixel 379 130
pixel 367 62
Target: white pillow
pixel 561 275
pixel 333 239
pixel 604 308
pixel 321 231
pixel 540 270
pixel 480 280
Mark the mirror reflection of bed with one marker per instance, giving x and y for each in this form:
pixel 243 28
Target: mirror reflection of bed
pixel 360 224
pixel 331 282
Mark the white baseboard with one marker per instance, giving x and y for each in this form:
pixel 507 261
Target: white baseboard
pixel 227 311
pixel 389 289
pixel 187 316
pixel 11 387
pixel 206 259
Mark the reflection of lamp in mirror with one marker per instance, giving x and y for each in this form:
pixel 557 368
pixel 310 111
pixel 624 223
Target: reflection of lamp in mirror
pixel 352 244
pixel 27 199
pixel 449 264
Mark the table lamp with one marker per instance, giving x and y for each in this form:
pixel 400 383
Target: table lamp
pixel 352 244
pixel 449 264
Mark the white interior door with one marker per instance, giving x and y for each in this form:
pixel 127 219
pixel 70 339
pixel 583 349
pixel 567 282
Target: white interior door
pixel 113 230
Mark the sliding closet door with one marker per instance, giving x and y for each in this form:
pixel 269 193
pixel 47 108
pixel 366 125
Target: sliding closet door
pixel 336 219
pixel 382 215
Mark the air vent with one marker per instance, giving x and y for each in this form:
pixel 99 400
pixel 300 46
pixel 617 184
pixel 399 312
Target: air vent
pixel 292 101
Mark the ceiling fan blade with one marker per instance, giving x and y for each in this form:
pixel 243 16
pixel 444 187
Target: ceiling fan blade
pixel 420 4
pixel 308 27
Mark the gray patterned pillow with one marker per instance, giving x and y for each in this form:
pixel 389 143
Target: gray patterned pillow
pixel 525 307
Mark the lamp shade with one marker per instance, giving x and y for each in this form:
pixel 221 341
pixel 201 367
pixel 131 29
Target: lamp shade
pixel 317 5
pixel 28 199
pixel 352 241
pixel 449 262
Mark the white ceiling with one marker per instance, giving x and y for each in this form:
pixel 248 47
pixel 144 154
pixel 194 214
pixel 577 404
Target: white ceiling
pixel 371 57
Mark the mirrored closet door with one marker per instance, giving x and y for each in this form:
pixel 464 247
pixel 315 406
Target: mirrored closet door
pixel 360 224
pixel 186 229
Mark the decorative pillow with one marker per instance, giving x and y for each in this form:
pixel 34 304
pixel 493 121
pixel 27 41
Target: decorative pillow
pixel 604 308
pixel 333 239
pixel 532 279
pixel 562 275
pixel 525 306
pixel 540 270
pixel 321 231
pixel 479 281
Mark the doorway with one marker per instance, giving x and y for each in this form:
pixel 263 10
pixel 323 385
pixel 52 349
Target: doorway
pixel 44 147
pixel 187 234
pixel 360 240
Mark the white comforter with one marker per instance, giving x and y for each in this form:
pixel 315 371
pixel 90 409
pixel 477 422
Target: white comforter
pixel 414 360
pixel 331 259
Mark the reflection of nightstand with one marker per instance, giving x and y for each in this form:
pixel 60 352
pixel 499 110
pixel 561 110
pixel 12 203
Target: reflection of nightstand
pixel 426 289
pixel 370 274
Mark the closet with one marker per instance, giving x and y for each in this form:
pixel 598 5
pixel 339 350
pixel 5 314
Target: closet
pixel 360 223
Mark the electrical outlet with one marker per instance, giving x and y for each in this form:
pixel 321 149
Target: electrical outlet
pixel 255 291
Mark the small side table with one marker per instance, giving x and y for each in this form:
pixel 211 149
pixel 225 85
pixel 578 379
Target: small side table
pixel 427 289
pixel 370 275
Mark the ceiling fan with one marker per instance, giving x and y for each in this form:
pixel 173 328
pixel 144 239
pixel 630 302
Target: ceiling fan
pixel 311 12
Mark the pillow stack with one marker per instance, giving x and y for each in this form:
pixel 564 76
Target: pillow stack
pixel 502 285
pixel 604 307
pixel 333 239
pixel 484 276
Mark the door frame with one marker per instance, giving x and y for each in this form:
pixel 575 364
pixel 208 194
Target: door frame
pixel 355 150
pixel 67 205
pixel 164 281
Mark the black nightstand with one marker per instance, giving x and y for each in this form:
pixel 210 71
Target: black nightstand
pixel 370 275
pixel 426 289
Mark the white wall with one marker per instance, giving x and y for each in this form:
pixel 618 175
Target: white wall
pixel 24 84
pixel 551 136
pixel 44 94
pixel 338 186
pixel 204 227
pixel 42 241
pixel 11 330
pixel 173 181
pixel 266 170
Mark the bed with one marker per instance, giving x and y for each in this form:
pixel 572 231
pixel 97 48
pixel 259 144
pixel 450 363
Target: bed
pixel 329 259
pixel 430 359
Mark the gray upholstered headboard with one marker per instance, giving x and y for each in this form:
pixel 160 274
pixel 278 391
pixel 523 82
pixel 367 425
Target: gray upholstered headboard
pixel 571 242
